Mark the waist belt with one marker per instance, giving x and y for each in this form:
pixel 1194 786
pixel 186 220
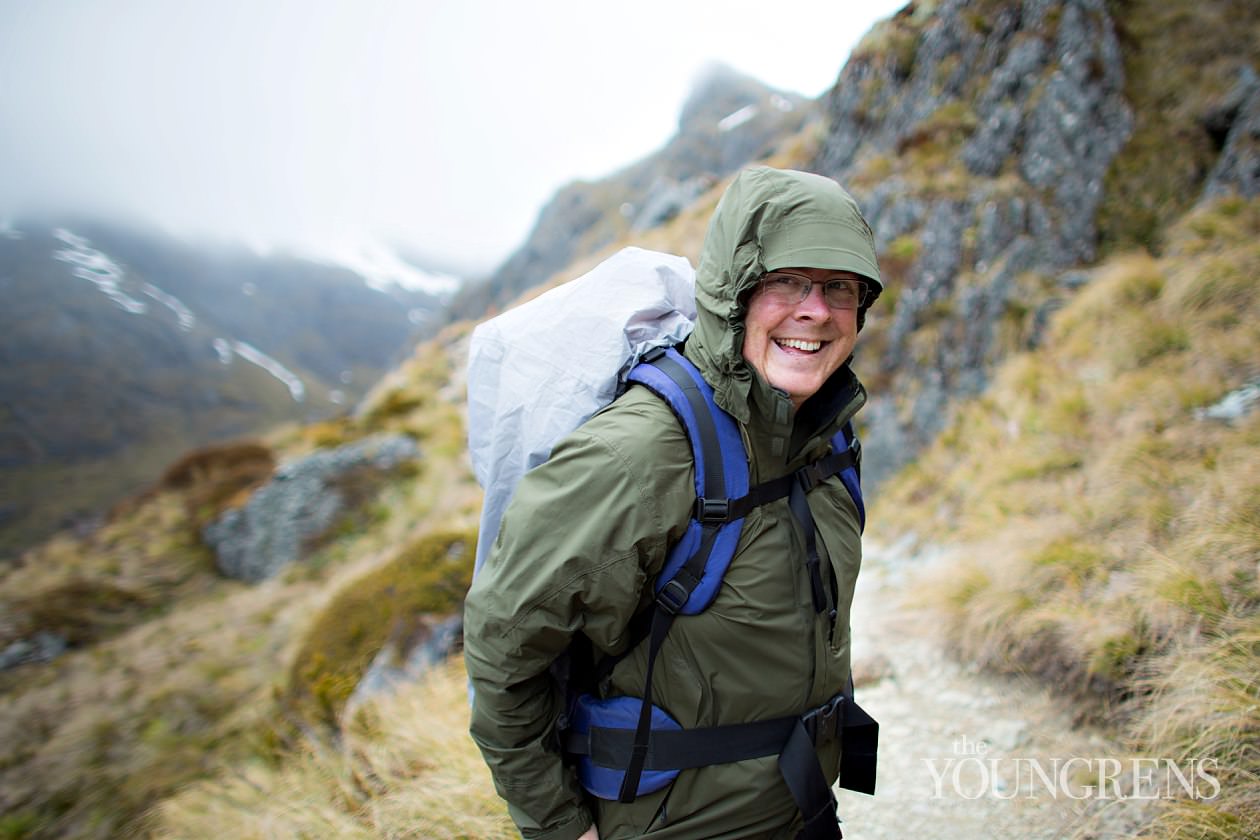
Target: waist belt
pixel 684 748
pixel 794 739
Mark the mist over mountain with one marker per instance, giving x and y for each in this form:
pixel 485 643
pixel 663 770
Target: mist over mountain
pixel 123 349
pixel 727 121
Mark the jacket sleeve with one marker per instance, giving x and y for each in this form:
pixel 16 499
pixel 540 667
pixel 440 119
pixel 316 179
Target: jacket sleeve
pixel 577 545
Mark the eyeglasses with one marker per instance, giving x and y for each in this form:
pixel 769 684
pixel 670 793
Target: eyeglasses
pixel 790 289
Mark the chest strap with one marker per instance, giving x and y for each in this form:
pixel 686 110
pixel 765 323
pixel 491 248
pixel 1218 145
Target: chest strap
pixel 717 512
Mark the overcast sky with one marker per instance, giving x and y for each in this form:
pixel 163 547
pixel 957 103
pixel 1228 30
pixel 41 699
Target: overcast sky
pixel 442 125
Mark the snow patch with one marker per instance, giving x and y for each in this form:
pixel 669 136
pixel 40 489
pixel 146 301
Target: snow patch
pixel 738 118
pixel 92 265
pixel 255 356
pixel 186 319
pixel 224 348
pixel 381 268
pixel 782 103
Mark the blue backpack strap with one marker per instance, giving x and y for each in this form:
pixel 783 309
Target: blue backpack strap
pixel 721 470
pixel 694 569
pixel 846 442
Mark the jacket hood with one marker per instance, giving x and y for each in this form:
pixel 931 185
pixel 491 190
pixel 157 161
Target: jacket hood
pixel 768 219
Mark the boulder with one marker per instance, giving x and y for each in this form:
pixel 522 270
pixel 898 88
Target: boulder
pixel 298 506
pixel 1238 168
pixel 399 663
pixel 42 647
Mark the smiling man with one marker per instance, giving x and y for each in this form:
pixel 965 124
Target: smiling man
pixel 786 274
pixel 797 339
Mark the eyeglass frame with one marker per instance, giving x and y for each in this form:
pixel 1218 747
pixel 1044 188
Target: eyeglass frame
pixel 864 296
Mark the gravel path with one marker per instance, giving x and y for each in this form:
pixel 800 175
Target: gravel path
pixel 959 750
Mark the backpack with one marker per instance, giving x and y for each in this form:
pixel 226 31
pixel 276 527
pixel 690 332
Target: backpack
pixel 626 746
pixel 527 390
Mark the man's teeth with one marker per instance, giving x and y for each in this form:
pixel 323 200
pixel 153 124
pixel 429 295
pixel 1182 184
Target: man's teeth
pixel 797 344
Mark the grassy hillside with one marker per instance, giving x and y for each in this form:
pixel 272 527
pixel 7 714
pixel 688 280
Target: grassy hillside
pixel 1108 525
pixel 175 674
pixel 403 768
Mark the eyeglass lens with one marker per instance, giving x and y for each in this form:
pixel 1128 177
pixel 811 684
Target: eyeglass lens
pixel 841 293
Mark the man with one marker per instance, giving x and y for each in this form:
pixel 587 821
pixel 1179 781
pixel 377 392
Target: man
pixel 787 271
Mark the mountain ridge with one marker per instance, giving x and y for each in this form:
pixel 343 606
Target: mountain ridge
pixel 728 120
pixel 125 348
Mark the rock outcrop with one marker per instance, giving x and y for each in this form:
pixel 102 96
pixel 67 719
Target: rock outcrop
pixel 298 506
pixel 41 647
pixel 400 662
pixel 1238 121
pixel 1002 129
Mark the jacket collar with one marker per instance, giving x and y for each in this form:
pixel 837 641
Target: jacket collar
pixel 781 440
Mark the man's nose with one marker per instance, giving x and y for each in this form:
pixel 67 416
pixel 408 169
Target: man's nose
pixel 814 304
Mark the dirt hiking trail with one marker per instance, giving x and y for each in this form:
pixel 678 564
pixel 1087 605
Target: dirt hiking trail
pixel 960 749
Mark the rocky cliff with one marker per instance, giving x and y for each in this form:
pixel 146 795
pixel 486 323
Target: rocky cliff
pixel 983 140
pixel 998 148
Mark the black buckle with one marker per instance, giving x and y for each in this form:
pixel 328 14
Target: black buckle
pixel 672 597
pixel 653 354
pixel 810 476
pixel 823 723
pixel 709 511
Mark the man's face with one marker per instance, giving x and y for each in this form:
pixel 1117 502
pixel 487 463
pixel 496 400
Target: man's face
pixel 797 346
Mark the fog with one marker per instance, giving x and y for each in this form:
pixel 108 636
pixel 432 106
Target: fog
pixel 443 126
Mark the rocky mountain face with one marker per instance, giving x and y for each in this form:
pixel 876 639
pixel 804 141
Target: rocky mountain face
pixel 728 121
pixel 982 141
pixel 123 350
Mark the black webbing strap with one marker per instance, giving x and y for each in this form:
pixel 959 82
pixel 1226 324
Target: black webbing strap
pixel 859 747
pixel 661 621
pixel 805 780
pixel 669 600
pixel 821 592
pixel 678 749
pixel 685 748
pixel 811 474
pixel 794 739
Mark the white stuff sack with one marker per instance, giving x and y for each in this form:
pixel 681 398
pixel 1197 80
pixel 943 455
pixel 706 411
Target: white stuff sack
pixel 537 372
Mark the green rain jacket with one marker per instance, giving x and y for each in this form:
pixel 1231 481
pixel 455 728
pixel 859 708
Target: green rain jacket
pixel 588 530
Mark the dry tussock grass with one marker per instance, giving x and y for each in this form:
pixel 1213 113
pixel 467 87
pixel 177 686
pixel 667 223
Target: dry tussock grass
pixel 189 684
pixel 405 768
pixel 1112 531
